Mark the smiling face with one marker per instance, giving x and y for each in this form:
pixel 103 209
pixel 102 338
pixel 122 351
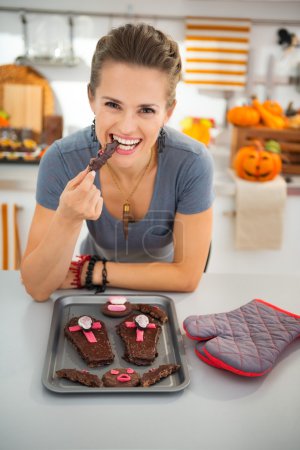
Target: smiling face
pixel 130 106
pixel 254 164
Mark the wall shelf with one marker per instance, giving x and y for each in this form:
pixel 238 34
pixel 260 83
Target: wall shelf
pixel 132 16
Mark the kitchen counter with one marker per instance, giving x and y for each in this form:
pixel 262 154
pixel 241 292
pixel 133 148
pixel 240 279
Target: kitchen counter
pixel 217 411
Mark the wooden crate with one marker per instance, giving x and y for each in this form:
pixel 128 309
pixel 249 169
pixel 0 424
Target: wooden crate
pixel 289 140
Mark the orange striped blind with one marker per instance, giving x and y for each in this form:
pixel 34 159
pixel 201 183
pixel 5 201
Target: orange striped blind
pixel 216 52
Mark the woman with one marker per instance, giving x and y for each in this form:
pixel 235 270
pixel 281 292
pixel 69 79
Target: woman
pixel 149 208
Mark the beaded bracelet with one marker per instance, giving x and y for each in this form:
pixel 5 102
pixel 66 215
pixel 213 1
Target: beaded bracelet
pixel 89 275
pixel 76 269
pixel 102 288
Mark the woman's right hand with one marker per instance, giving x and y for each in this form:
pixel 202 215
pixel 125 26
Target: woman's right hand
pixel 81 199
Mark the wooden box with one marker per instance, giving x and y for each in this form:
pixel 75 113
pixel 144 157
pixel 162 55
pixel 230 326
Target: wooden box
pixel 289 140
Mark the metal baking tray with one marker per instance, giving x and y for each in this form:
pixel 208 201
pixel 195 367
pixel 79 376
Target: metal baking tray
pixel 61 354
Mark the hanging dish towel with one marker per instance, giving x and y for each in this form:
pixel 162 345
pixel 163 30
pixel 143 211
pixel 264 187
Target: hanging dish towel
pixel 260 214
pixel 9 237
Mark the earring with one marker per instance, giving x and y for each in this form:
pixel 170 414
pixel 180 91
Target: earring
pixel 93 131
pixel 161 140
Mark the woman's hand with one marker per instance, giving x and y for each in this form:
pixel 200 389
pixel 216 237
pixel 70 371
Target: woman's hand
pixel 81 200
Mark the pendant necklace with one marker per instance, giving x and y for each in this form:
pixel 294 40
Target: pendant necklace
pixel 126 213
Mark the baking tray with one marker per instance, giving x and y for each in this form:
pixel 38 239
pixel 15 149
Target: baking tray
pixel 61 354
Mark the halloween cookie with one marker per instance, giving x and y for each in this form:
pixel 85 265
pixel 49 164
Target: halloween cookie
pixel 156 374
pixel 121 378
pixel 153 311
pixel 80 376
pixel 117 306
pixel 140 335
pixel 103 156
pixel 89 337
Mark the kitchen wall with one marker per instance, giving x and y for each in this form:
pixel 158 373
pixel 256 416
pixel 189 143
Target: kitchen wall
pixel 69 83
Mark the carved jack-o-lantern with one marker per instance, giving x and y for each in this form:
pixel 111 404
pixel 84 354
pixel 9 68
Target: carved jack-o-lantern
pixel 254 163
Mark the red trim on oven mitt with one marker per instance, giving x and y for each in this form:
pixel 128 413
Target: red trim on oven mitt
pixel 246 341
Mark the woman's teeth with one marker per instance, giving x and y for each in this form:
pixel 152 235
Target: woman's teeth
pixel 126 144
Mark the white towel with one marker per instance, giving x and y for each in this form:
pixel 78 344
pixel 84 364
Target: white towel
pixel 260 213
pixel 10 253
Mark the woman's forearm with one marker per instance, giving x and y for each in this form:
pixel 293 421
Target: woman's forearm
pixel 156 276
pixel 45 268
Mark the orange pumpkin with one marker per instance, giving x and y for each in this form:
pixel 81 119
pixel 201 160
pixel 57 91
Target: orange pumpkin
pixel 254 163
pixel 243 116
pixel 273 107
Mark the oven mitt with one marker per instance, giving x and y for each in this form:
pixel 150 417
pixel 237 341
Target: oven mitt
pixel 246 341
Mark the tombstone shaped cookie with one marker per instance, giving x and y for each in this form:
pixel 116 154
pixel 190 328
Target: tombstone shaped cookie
pixel 89 337
pixel 121 378
pixel 140 335
pixel 117 306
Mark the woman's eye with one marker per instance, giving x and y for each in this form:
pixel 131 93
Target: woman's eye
pixel 148 110
pixel 112 105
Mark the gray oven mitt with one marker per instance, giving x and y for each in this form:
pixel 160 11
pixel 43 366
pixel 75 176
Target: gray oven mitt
pixel 246 341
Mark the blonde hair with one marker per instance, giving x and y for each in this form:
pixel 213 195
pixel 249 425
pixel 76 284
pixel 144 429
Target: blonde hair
pixel 138 44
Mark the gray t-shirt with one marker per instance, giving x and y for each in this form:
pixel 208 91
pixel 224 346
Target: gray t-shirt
pixel 184 184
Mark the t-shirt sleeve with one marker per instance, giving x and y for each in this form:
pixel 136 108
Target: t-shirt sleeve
pixel 52 178
pixel 196 192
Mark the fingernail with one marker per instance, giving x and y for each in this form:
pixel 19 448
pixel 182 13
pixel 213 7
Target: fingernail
pixel 93 172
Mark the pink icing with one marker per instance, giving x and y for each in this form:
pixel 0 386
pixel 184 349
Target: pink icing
pixel 114 372
pixel 123 378
pixel 129 370
pixel 116 307
pixel 90 336
pixel 139 335
pixel 130 324
pixel 75 328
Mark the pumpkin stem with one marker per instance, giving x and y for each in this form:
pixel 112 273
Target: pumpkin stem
pixel 258 144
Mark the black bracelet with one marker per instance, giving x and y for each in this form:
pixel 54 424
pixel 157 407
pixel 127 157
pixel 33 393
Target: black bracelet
pixel 102 287
pixel 89 275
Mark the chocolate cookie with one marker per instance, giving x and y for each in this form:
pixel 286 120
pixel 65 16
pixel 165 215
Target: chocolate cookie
pixel 103 156
pixel 140 335
pixel 156 374
pixel 117 306
pixel 121 377
pixel 80 376
pixel 153 311
pixel 89 337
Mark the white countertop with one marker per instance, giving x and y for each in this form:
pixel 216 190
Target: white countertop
pixel 217 411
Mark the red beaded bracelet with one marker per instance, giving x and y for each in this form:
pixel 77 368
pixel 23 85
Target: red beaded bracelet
pixel 76 268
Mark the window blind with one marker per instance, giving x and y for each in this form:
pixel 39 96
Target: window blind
pixel 216 52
